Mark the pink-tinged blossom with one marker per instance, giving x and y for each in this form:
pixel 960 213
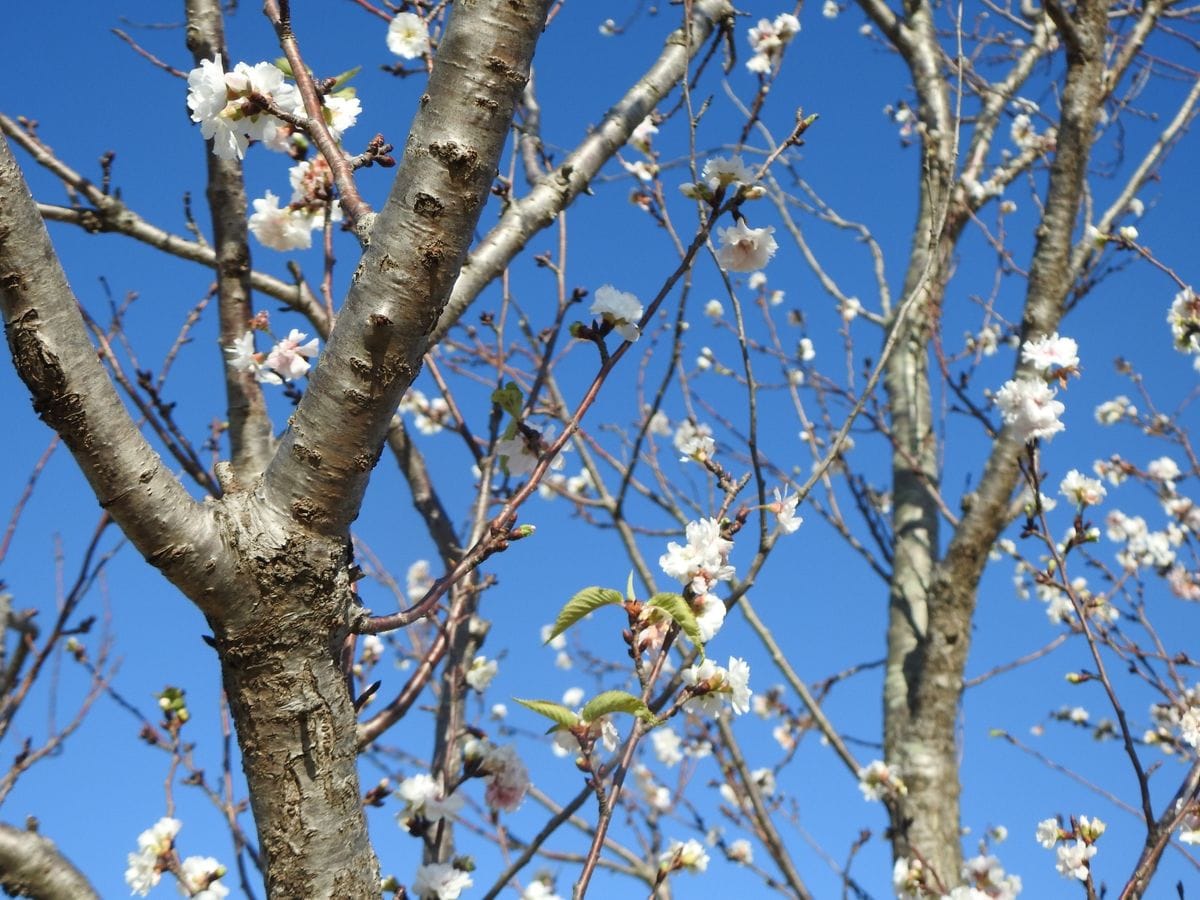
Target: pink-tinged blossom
pixel 986 880
pixel 280 228
pixel 508 778
pixel 1184 584
pixel 620 309
pixel 312 191
pixel 1029 409
pixel 784 508
pixel 745 249
pixel 441 881
pixel 1051 352
pixel 288 359
pixel 408 36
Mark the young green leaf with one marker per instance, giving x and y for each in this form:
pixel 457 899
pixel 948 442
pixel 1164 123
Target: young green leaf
pixel 510 399
pixel 339 81
pixel 555 712
pixel 677 608
pixel 580 605
pixel 616 702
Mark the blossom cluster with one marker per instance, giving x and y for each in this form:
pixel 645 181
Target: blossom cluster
pixel 429 416
pixel 877 780
pixel 290 227
pixel 287 360
pixel 1075 847
pixel 712 686
pixel 768 38
pixel 1027 402
pixel 198 875
pixel 232 107
pixel 983 879
pixel 1184 319
pixel 699 565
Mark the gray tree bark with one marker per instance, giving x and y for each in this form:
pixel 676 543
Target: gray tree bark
pixel 31 866
pixel 933 594
pixel 269 563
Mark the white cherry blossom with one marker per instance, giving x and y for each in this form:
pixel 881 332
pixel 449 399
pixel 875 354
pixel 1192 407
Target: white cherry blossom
pixel 745 249
pixel 441 880
pixel 408 36
pixel 620 309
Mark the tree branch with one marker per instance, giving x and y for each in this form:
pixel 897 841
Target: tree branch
pixel 418 243
pixel 536 210
pixel 251 437
pixel 32 866
pixel 73 395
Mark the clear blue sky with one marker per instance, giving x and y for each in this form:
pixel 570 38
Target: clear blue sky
pixel 91 94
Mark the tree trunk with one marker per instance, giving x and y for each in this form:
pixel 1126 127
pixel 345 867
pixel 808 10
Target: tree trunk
pixel 280 641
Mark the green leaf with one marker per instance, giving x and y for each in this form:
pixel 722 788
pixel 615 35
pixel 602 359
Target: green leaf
pixel 580 605
pixel 340 80
pixel 555 712
pixel 629 587
pixel 677 608
pixel 284 66
pixel 616 702
pixel 510 399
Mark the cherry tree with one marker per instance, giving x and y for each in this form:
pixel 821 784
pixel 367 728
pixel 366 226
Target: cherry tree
pixel 655 406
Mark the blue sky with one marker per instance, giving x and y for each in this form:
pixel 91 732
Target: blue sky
pixel 92 94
